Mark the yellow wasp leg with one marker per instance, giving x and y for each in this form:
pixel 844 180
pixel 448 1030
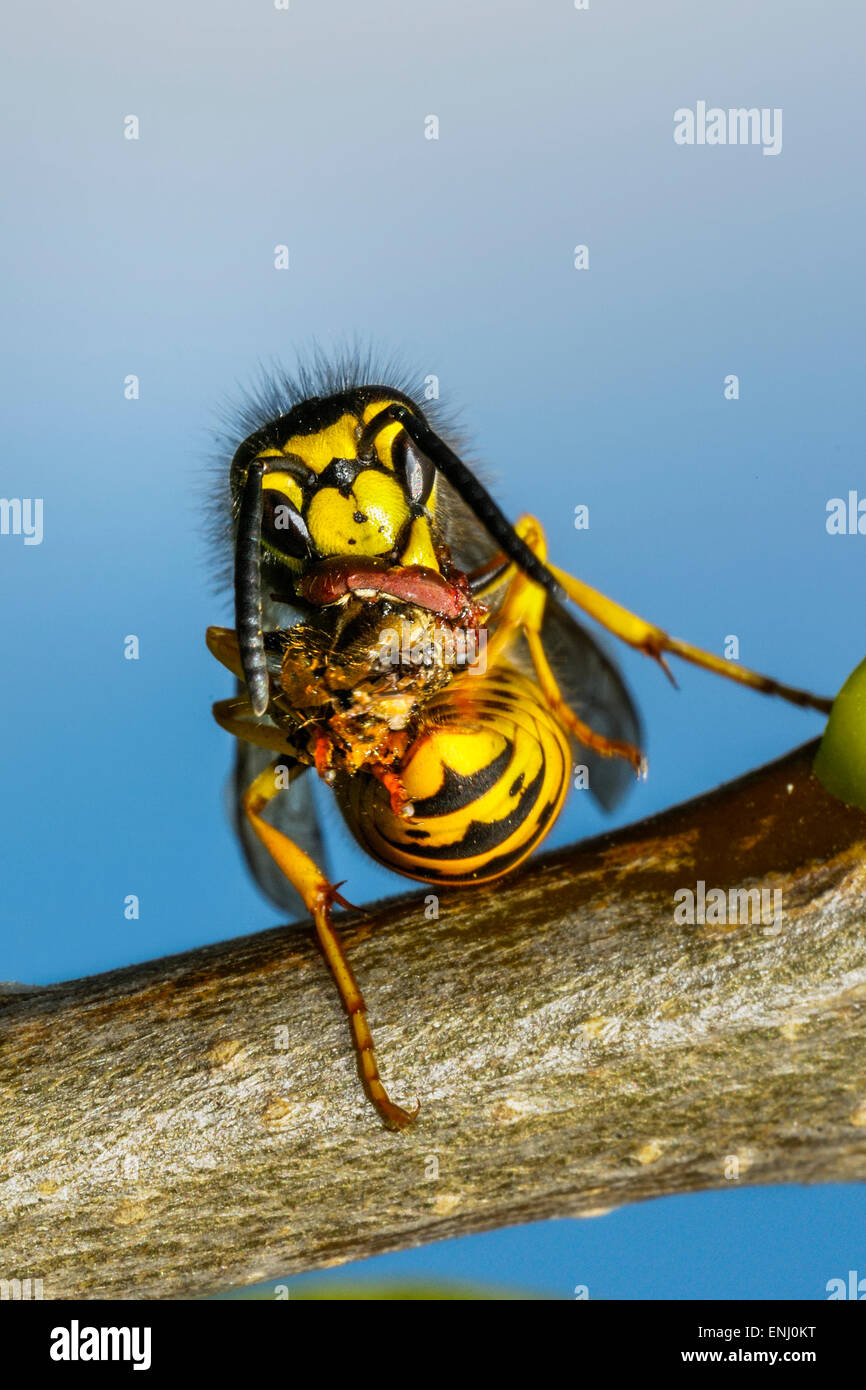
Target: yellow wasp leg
pixel 235 715
pixel 646 637
pixel 222 642
pixel 654 642
pixel 307 879
pixel 609 747
pixel 523 610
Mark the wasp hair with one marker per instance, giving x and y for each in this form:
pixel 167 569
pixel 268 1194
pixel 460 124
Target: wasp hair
pixel 273 395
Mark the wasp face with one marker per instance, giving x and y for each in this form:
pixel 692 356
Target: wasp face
pixel 336 480
pixel 326 493
pixel 344 479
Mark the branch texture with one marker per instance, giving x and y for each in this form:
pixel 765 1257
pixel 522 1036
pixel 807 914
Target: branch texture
pixel 197 1123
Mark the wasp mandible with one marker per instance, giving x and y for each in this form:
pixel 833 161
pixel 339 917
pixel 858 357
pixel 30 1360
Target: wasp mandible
pixel 371 568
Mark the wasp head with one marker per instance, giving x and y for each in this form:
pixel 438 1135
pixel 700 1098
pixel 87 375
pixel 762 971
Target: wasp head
pixel 335 478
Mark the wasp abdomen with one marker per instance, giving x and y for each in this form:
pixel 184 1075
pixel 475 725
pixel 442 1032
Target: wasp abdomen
pixel 486 774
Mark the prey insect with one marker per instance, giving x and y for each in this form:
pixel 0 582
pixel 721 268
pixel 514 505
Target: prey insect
pixel 398 635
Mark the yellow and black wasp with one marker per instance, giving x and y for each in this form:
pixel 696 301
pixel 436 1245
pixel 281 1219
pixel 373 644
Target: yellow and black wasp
pixel 394 631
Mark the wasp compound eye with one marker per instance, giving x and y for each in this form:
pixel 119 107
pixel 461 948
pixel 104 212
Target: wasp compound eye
pixel 283 527
pixel 418 472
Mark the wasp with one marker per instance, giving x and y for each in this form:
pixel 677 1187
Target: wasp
pixel 396 633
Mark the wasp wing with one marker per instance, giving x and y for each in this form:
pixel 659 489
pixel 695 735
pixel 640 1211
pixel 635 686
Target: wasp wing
pixel 292 811
pixel 592 686
pixel 470 545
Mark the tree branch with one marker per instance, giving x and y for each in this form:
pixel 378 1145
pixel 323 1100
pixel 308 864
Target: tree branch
pixel 573 1046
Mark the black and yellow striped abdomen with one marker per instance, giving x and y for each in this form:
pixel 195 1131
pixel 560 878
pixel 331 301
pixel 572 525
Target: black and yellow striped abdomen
pixel 486 774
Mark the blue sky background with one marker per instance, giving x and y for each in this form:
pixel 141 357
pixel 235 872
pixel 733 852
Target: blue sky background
pixel 155 257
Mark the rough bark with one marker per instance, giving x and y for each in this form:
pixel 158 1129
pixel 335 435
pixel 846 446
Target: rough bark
pixel 573 1047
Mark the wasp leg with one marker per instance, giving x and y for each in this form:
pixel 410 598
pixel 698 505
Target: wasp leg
pixel 235 715
pixel 222 642
pixel 654 642
pixel 318 894
pixel 637 632
pixel 523 611
pixel 608 747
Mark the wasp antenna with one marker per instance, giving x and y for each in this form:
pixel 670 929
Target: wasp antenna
pixel 248 589
pixel 474 494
